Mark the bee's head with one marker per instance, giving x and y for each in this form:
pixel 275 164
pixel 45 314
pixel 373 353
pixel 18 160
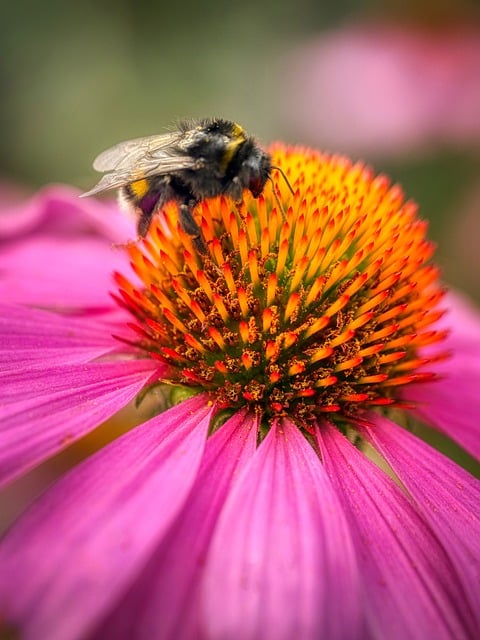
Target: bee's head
pixel 255 171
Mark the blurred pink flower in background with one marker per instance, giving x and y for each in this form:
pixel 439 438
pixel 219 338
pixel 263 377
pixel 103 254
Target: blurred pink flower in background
pixel 386 89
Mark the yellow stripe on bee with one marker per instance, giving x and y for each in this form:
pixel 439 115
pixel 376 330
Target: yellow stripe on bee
pixel 139 188
pixel 237 131
pixel 238 138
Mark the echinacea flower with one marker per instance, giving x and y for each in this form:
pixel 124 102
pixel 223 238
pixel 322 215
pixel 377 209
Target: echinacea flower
pixel 285 495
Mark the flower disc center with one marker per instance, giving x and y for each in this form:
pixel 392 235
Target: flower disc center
pixel 322 307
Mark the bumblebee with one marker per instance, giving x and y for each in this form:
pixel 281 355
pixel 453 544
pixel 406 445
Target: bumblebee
pixel 201 159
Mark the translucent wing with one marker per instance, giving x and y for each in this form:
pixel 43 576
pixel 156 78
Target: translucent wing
pixel 125 155
pixel 141 158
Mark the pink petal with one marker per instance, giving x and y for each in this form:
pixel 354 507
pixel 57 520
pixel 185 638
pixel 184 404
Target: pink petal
pixel 281 563
pixel 44 411
pixel 447 496
pixel 462 319
pixel 34 338
pixel 15 218
pixel 61 273
pixel 58 210
pixel 411 589
pixel 462 322
pixel 164 603
pixel 76 551
pixel 452 405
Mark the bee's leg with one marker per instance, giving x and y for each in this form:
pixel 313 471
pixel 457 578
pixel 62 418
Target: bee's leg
pixel 189 225
pixel 147 207
pixel 235 190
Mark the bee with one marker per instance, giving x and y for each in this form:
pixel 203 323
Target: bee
pixel 201 159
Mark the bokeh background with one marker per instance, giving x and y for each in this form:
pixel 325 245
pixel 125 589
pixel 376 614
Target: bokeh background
pixel 396 83
pixel 393 82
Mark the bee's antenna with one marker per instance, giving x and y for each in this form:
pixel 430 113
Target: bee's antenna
pixel 282 173
pixel 274 191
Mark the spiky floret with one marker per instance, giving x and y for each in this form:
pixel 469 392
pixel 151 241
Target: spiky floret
pixel 321 307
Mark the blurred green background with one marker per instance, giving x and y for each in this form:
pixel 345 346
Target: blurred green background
pixel 78 77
